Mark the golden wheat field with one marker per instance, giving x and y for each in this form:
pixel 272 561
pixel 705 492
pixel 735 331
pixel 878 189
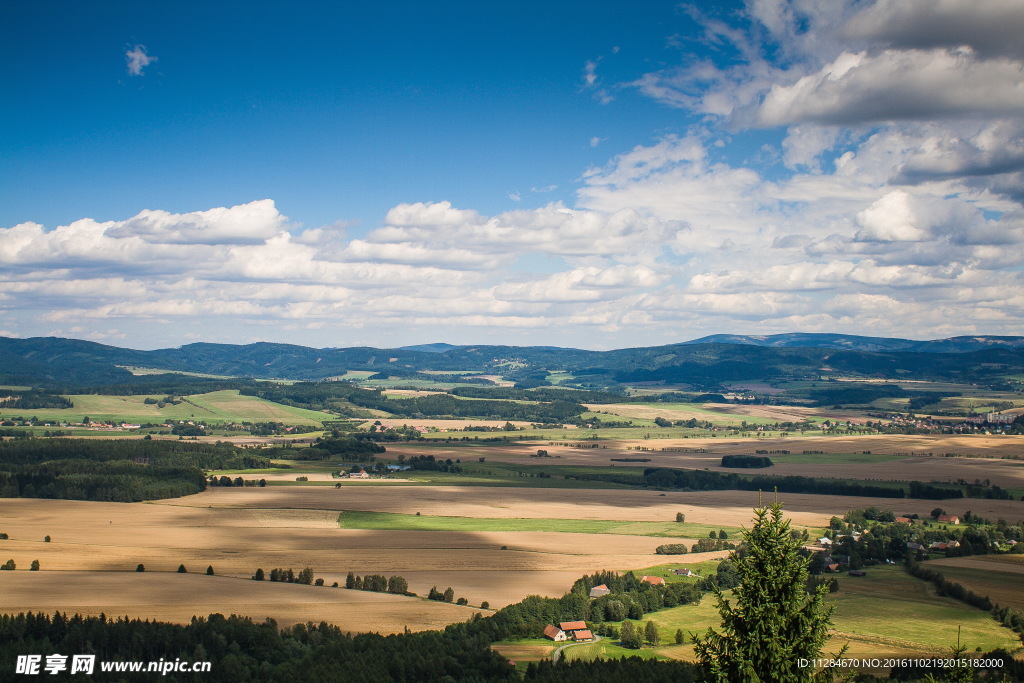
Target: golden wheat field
pixel 95 547
pixel 177 597
pixel 290 528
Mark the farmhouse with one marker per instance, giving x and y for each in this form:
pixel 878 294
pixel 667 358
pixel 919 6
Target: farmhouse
pixel 598 591
pixel 949 519
pixel 554 633
pixel 904 520
pixel 685 572
pixel 824 541
pixel 583 635
pixel 571 627
pixel 653 580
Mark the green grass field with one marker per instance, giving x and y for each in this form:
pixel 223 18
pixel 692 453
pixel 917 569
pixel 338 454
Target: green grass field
pixel 885 612
pixel 214 407
pixel 395 521
pixel 887 607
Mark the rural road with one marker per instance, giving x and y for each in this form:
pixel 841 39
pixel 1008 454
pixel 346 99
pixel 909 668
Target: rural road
pixel 558 653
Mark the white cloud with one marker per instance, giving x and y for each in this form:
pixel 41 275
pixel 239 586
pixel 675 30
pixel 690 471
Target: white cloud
pixel 138 59
pixel 895 85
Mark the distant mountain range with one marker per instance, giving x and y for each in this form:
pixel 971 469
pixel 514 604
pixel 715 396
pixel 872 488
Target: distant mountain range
pixel 852 342
pixel 51 361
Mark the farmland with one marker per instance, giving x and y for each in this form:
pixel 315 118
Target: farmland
pixel 884 614
pixel 217 406
pixel 527 510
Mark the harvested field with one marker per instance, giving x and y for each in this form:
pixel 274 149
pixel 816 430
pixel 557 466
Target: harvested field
pixel 163 596
pixel 115 537
pixel 724 508
pixel 1000 577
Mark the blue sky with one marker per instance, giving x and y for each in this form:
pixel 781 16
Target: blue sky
pixel 579 174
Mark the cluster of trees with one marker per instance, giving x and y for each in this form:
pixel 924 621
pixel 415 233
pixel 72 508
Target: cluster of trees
pixel 746 461
pixel 428 463
pixel 672 549
pixel 225 480
pixel 32 400
pixel 630 598
pixel 118 470
pixel 304 577
pixel 707 545
pixel 342 446
pixel 447 595
pixel 703 480
pixel 378 583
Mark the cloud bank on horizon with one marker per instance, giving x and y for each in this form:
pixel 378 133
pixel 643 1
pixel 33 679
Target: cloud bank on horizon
pixel 884 195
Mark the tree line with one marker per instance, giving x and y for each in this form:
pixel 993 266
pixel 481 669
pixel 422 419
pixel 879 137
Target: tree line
pixel 117 470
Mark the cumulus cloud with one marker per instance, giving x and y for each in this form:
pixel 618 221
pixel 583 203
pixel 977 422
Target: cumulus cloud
pixel 137 59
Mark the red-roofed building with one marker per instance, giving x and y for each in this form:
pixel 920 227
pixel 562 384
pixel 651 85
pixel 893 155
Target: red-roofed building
pixel 580 636
pixel 653 580
pixel 571 626
pixel 554 633
pixel 951 519
pixel 598 591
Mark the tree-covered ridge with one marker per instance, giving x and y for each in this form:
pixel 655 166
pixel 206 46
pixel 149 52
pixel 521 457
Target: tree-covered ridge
pixel 60 362
pixel 341 397
pixel 118 470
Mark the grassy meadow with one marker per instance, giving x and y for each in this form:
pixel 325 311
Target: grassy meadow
pixel 404 522
pixel 213 407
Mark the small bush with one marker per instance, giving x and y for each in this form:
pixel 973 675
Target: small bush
pixel 181 569
pixel 140 568
pixel 46 539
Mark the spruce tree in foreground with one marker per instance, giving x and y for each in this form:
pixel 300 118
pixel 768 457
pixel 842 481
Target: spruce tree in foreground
pixel 770 623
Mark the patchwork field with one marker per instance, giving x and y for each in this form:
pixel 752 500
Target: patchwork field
pixel 716 413
pixel 998 459
pixel 884 614
pixel 216 406
pixel 294 527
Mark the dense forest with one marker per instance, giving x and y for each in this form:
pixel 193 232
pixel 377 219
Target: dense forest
pixel 118 470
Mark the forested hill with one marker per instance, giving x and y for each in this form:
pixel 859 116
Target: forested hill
pixel 55 362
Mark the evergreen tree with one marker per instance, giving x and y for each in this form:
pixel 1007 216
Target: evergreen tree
pixel 259 575
pixel 35 566
pixel 209 570
pixel 651 634
pixel 772 623
pixel 630 637
pixel 140 568
pixel 181 569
